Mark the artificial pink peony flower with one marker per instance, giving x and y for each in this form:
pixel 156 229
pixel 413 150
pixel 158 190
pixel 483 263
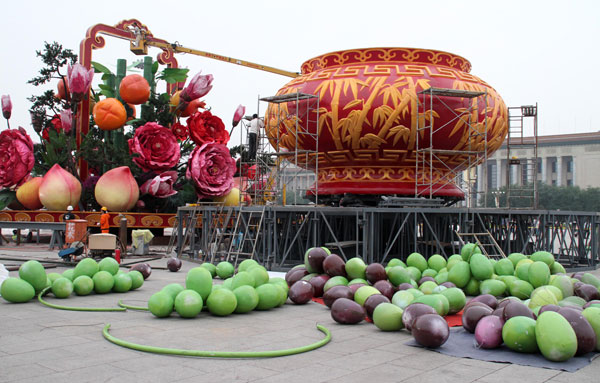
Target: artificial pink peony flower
pixel 6 106
pixel 198 87
pixel 156 147
pixel 204 128
pixel 79 80
pixel 238 115
pixel 16 157
pixel 211 169
pixel 66 119
pixel 160 186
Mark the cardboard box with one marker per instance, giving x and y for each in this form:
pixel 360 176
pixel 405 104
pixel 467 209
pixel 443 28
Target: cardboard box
pixel 102 242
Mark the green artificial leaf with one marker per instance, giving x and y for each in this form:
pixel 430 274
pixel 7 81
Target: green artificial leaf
pixel 6 198
pixel 173 75
pixel 106 90
pixel 155 67
pixel 99 68
pixel 134 121
pixel 164 97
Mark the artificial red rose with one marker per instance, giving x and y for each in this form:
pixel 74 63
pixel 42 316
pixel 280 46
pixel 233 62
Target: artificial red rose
pixel 156 147
pixel 56 124
pixel 205 128
pixel 211 168
pixel 160 186
pixel 180 131
pixel 16 157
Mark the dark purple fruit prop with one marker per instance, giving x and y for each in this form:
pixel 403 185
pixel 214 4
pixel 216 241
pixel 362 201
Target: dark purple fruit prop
pixel 301 292
pixel 430 330
pixel 315 257
pixel 374 301
pixel 335 293
pixel 318 283
pixel 515 309
pixel 375 272
pixel 346 311
pixel 174 264
pixel 486 299
pixel 385 287
pixel 473 314
pixel 586 337
pixel 334 265
pixel 587 292
pixel 488 332
pixel 295 275
pixel 413 311
pixel 143 268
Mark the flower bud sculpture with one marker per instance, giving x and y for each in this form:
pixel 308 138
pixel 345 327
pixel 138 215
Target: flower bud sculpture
pixel 160 186
pixel 59 189
pixel 199 86
pixel 66 119
pixel 80 80
pixel 16 157
pixel 6 106
pixel 28 194
pixel 238 115
pixel 117 189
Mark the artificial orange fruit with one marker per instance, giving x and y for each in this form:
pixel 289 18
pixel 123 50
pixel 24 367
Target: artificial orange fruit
pixel 109 114
pixel 134 89
pixel 63 93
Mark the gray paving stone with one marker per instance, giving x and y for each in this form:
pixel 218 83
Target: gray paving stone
pixel 514 372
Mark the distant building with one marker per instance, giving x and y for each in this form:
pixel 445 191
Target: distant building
pixel 563 160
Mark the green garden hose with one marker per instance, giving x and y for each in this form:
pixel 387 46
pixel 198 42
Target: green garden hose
pixel 141 308
pixel 60 307
pixel 220 354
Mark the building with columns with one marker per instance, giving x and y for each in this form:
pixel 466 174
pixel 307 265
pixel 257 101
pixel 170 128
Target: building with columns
pixel 562 160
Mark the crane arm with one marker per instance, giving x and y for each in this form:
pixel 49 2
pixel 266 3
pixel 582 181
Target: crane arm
pixel 180 49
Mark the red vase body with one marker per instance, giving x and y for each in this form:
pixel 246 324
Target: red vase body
pixel 367 120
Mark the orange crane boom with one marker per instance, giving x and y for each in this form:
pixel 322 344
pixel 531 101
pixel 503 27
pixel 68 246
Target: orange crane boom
pixel 180 49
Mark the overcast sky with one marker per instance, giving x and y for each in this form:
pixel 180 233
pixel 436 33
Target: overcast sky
pixel 530 51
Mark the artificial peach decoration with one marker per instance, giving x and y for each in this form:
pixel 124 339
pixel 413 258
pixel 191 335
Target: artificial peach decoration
pixel 230 199
pixel 28 194
pixel 59 189
pixel 117 189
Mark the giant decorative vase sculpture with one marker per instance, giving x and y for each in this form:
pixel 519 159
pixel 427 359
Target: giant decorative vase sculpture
pixel 371 109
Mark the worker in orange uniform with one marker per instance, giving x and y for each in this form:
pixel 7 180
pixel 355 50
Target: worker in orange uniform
pixel 104 220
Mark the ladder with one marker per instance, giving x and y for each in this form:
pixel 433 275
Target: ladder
pixel 245 235
pixel 488 245
pixel 190 228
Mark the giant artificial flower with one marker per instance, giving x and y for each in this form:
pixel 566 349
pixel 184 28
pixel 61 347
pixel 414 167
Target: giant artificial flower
pixel 211 169
pixel 198 87
pixel 205 128
pixel 239 113
pixel 6 106
pixel 160 186
pixel 180 131
pixel 16 157
pixel 79 80
pixel 156 147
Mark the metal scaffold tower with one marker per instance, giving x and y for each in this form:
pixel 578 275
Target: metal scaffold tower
pixel 521 171
pixel 286 171
pixel 452 162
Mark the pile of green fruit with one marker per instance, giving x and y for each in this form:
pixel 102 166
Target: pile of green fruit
pixel 417 293
pixel 248 289
pixel 87 277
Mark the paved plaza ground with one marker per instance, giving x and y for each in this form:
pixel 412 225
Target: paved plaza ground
pixel 41 344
